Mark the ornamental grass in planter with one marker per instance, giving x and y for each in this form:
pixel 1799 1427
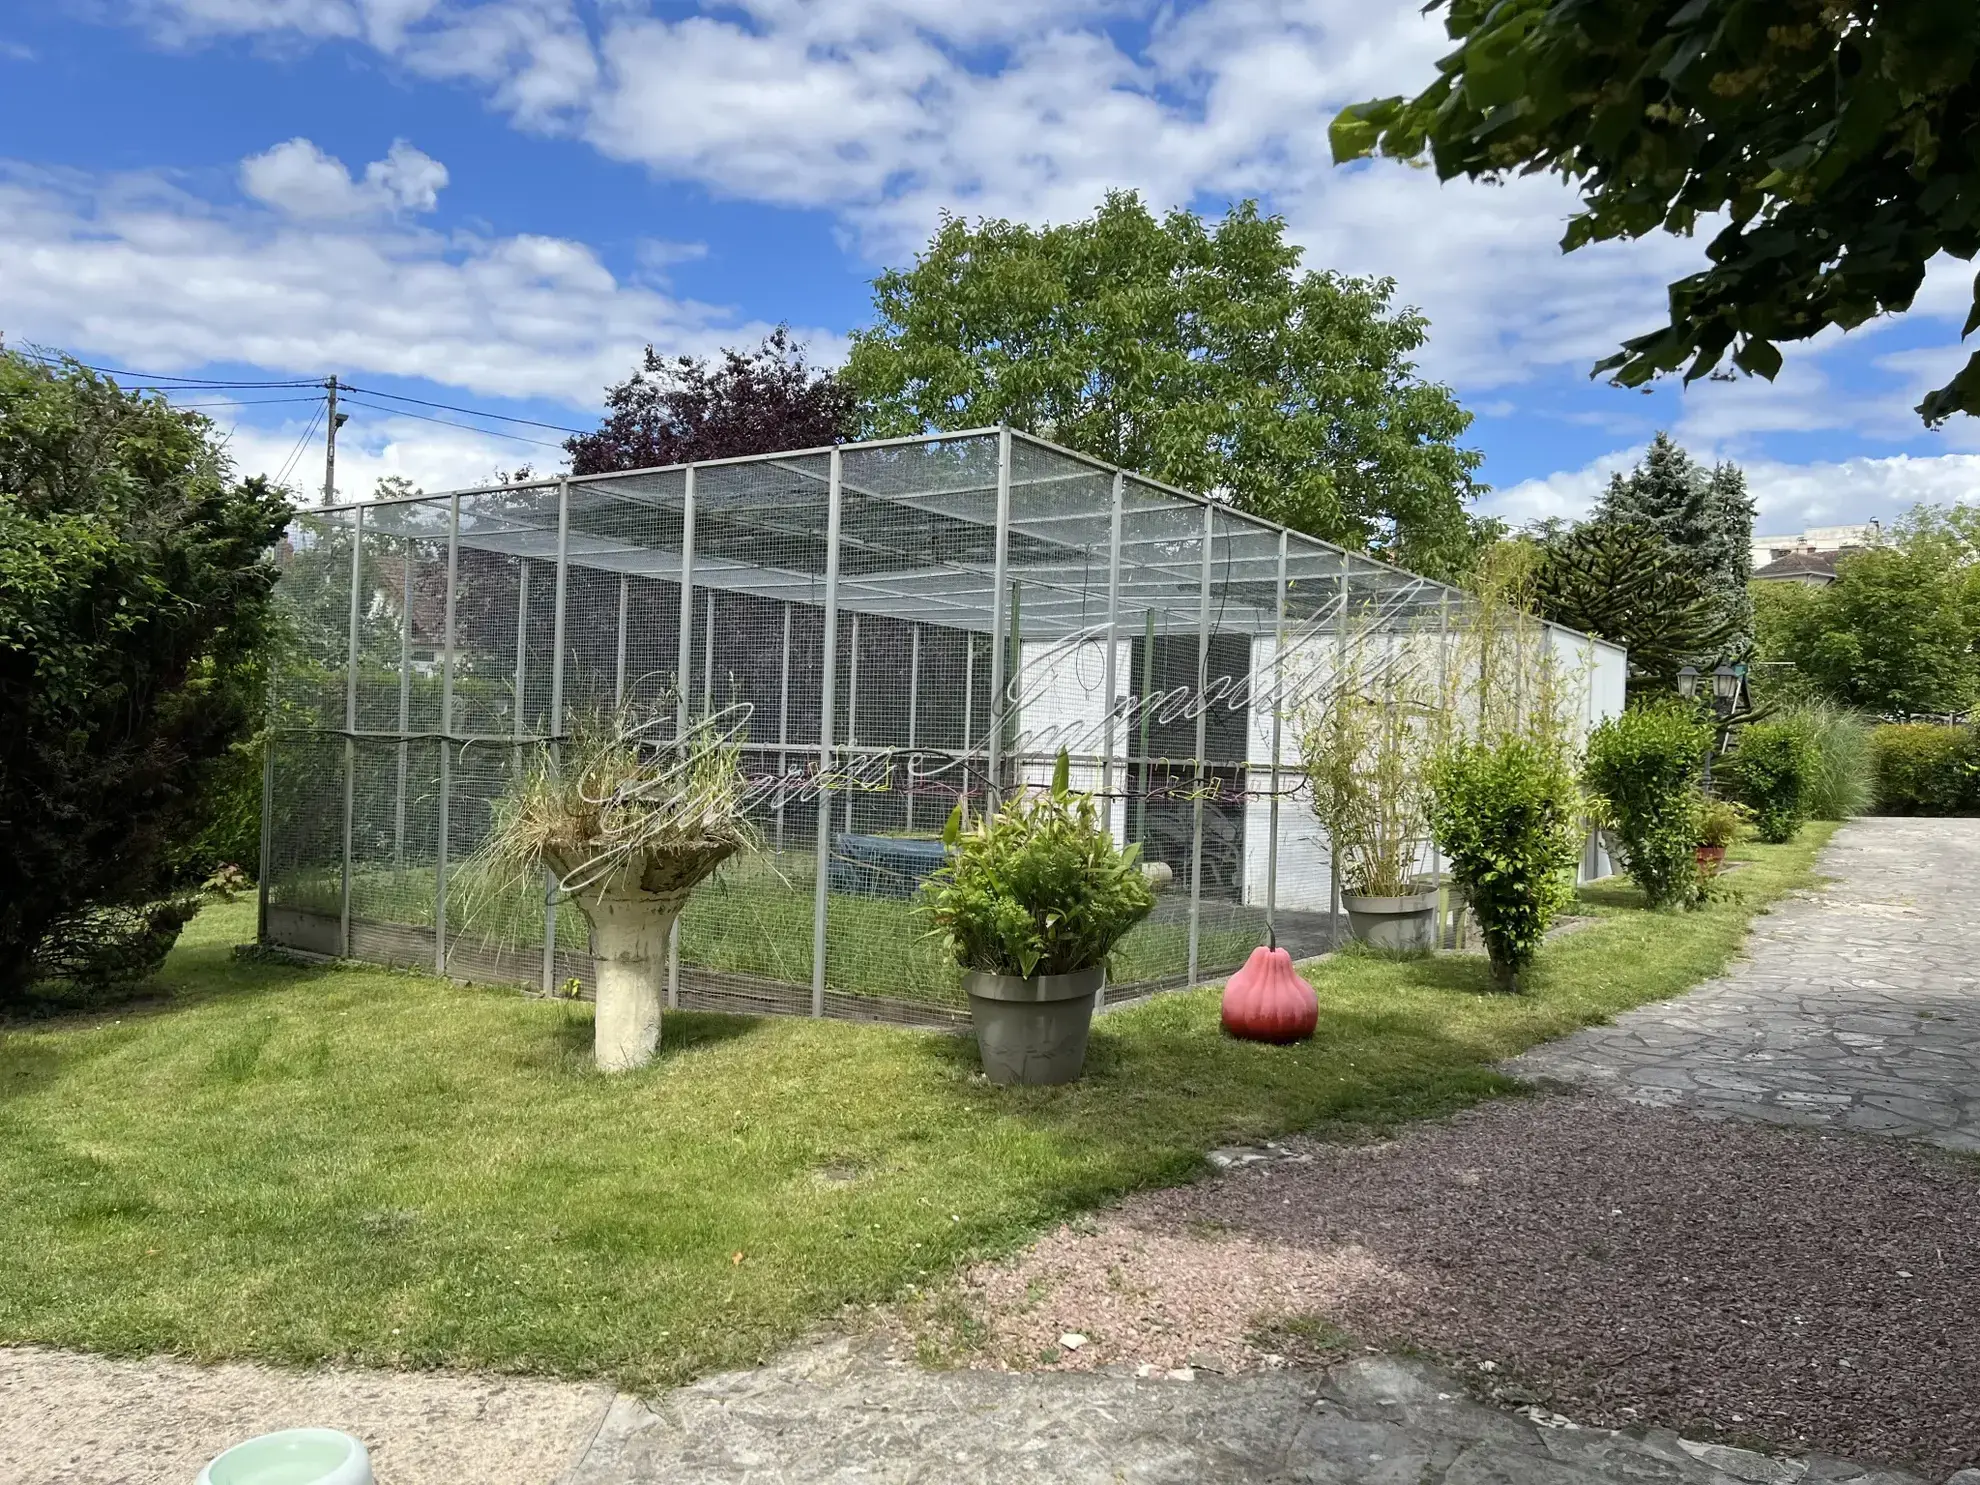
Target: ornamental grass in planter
pixel 1032 902
pixel 1367 745
pixel 627 823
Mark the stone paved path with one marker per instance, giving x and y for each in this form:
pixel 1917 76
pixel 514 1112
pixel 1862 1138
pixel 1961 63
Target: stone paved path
pixel 848 1414
pixel 1858 1006
pixel 68 1419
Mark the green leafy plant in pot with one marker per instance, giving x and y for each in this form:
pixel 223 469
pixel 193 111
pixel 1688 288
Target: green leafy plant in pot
pixel 1031 903
pixel 628 823
pixel 1721 823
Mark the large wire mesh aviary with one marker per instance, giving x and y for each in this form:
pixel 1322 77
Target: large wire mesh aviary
pixel 985 599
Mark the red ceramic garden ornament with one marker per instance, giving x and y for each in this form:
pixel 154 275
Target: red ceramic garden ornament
pixel 1267 1001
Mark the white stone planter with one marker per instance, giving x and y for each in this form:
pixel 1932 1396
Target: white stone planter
pixel 629 933
pixel 631 912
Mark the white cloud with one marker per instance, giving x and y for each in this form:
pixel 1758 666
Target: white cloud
pixel 1789 497
pixel 298 178
pixel 135 268
pixel 888 112
pixel 1564 495
pixel 371 446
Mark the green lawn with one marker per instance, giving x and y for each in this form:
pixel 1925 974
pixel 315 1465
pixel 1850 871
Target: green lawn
pixel 754 917
pixel 301 1164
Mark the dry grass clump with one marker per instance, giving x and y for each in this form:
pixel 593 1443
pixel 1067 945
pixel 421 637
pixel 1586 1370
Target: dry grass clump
pixel 624 808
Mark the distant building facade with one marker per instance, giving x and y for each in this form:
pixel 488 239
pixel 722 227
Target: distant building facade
pixel 1810 556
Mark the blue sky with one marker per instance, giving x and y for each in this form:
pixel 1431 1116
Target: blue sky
pixel 496 203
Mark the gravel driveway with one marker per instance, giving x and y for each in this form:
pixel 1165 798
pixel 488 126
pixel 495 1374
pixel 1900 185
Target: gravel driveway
pixel 1618 1264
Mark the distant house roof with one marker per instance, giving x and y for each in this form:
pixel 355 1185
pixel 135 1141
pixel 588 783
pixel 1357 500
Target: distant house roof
pixel 1803 567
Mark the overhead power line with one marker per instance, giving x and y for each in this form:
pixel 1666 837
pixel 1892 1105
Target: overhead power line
pixel 399 412
pixel 148 381
pixel 470 411
pixel 246 402
pixel 301 444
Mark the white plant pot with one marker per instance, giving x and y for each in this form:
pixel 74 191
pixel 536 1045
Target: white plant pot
pixel 1404 923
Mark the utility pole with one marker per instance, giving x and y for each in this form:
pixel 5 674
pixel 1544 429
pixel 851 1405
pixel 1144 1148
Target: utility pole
pixel 336 421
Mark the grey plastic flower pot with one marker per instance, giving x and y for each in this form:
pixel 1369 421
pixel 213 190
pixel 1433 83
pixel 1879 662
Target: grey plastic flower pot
pixel 1407 923
pixel 1032 1031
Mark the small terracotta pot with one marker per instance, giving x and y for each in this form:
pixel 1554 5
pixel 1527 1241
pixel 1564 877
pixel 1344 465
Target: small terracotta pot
pixel 1710 859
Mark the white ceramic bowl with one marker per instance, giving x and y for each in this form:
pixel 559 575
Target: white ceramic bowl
pixel 295 1456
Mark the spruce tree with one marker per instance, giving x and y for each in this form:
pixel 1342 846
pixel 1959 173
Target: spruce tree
pixel 1707 518
pixel 1728 553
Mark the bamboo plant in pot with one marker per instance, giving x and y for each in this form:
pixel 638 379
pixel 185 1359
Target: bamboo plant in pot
pixel 1031 903
pixel 628 823
pixel 1367 749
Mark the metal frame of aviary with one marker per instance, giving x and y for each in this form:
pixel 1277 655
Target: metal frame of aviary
pixel 985 599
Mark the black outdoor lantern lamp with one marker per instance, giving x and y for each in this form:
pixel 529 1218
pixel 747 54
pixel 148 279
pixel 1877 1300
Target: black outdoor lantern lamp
pixel 1688 682
pixel 1728 689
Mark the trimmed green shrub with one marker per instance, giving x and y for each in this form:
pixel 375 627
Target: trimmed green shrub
pixel 1926 768
pixel 103 946
pixel 1644 765
pixel 1771 772
pixel 1506 814
pixel 1841 783
pixel 1039 888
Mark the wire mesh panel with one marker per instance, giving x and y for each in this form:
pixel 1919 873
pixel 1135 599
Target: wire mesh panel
pixel 886 631
pixel 752 658
pixel 912 607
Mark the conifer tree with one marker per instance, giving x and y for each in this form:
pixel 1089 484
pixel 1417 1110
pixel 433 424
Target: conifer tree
pixel 1707 518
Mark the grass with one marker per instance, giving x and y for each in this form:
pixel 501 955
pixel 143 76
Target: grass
pixel 754 917
pixel 299 1164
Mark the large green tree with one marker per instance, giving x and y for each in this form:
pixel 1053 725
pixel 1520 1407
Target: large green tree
pixel 1196 352
pixel 1829 144
pixel 1707 519
pixel 134 605
pixel 1898 632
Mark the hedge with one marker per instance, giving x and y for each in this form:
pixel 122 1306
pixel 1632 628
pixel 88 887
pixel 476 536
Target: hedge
pixel 1926 768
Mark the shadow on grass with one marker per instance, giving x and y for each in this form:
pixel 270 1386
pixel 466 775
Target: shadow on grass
pixel 1613 892
pixel 1163 1081
pixel 191 977
pixel 27 1067
pixel 680 1032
